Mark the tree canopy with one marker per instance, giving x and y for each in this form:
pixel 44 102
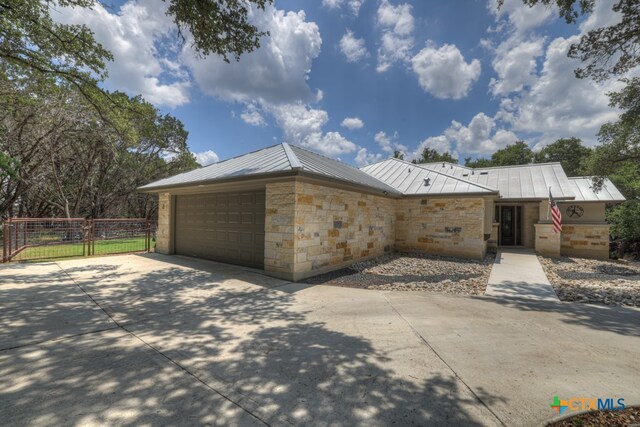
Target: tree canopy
pixel 67 146
pixel 431 155
pixel 569 152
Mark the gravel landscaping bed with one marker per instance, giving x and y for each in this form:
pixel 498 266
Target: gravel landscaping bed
pixel 594 281
pixel 628 417
pixel 414 272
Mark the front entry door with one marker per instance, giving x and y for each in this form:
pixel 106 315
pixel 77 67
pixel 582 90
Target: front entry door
pixel 507 226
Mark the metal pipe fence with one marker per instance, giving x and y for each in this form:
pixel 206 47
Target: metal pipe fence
pixel 25 239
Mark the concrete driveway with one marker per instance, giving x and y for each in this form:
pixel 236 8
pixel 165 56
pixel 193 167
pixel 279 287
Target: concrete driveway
pixel 151 339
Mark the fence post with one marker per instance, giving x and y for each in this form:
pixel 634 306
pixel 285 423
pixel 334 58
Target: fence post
pixel 9 239
pixel 92 241
pixel 17 240
pixel 4 241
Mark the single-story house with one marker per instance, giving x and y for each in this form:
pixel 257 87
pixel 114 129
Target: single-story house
pixel 295 213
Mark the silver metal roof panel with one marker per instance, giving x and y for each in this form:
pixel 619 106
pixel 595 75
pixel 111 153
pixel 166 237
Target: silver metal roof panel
pixel 520 182
pixel 409 179
pixel 275 159
pixel 583 189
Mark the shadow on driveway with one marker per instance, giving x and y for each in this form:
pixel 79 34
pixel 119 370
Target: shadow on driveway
pixel 200 345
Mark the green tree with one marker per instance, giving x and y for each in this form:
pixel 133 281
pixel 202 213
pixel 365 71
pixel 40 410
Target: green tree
pixel 480 162
pixel 569 152
pixel 31 41
pixel 430 155
pixel 517 153
pixel 397 154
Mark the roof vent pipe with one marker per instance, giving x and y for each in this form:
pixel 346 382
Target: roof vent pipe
pixel 427 181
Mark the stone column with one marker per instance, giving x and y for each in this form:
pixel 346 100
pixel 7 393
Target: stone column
pixel 547 241
pixel 280 221
pixel 164 234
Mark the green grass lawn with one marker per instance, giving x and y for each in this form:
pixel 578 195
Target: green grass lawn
pixel 102 247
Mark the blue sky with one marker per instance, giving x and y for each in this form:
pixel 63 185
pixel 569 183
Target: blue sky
pixel 456 76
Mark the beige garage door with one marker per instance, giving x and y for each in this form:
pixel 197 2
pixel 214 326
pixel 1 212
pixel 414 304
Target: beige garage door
pixel 227 227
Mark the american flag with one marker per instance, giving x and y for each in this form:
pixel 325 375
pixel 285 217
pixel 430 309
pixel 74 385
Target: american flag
pixel 556 216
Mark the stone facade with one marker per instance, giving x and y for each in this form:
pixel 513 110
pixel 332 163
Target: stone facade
pixel 312 228
pixel 585 240
pixel 164 234
pixel 441 226
pixel 547 241
pixel 279 239
pixel 493 240
pixel 530 214
pixel 331 228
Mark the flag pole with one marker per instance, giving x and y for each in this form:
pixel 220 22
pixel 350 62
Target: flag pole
pixel 549 204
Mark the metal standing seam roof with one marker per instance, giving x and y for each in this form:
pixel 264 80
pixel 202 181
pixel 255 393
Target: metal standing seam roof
pixel 272 160
pixel 411 179
pixel 518 182
pixel 582 187
pixel 399 177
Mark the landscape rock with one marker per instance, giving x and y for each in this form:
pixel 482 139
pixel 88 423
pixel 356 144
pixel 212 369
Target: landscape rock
pixel 592 281
pixel 414 272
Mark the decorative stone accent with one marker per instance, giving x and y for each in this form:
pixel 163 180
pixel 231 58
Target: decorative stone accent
pixel 164 238
pixel 585 241
pixel 441 226
pixel 547 242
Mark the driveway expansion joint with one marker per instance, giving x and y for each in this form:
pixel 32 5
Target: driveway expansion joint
pixel 426 343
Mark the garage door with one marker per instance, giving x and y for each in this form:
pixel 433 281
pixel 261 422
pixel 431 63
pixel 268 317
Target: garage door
pixel 227 227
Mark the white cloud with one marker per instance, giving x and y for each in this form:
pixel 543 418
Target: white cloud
pixel 558 104
pixel 352 47
pixel 443 72
pixel 397 26
pixel 332 4
pixel 439 143
pixel 389 143
pixel 131 35
pixel 541 97
pixel 480 136
pixel 364 158
pixel 354 5
pixel 276 73
pixel 516 17
pixel 252 116
pixel 205 158
pixel 303 125
pixel 352 123
pixel 515 64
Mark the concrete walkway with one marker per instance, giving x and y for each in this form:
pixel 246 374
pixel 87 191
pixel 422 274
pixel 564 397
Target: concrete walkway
pixel 517 273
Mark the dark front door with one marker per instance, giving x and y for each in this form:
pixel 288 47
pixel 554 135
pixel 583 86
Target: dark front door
pixel 507 226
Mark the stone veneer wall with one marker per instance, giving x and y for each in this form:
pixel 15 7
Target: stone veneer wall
pixel 531 214
pixel 279 240
pixel 332 228
pixel 441 226
pixel 585 240
pixel 164 245
pixel 547 241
